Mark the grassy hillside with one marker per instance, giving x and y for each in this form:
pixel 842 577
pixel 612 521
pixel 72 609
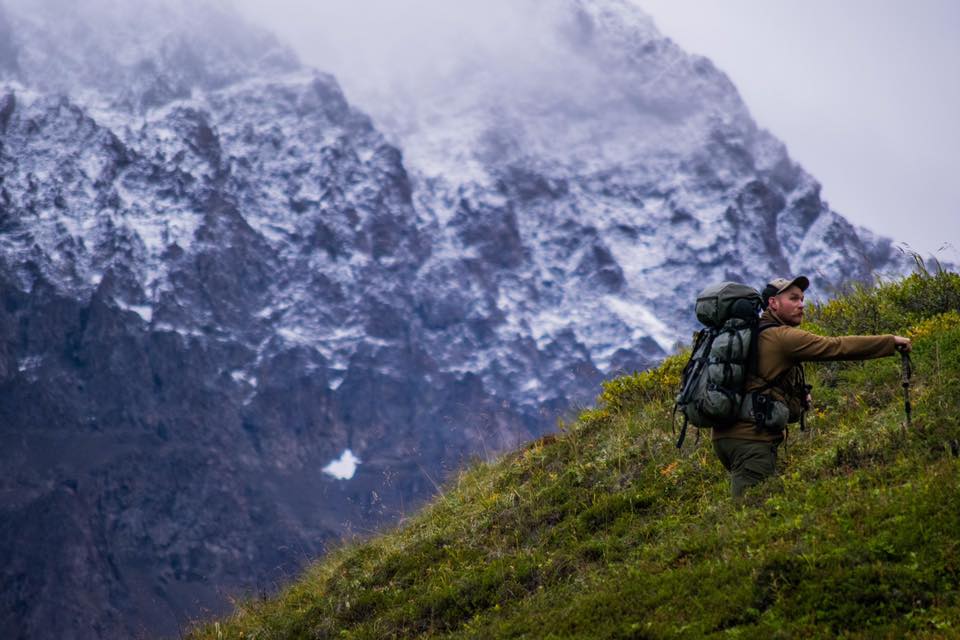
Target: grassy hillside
pixel 605 531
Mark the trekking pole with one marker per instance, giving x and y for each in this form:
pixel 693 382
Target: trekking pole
pixel 906 370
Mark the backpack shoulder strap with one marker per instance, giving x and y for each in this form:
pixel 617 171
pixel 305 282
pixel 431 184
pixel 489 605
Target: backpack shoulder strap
pixel 752 361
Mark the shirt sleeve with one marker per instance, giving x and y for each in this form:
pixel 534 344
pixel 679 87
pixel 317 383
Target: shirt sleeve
pixel 802 346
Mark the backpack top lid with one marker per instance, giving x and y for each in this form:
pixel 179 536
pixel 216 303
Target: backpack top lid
pixel 724 300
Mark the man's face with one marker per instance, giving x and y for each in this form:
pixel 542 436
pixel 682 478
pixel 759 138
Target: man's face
pixel 788 306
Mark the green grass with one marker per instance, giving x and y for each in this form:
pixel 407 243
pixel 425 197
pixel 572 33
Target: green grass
pixel 606 531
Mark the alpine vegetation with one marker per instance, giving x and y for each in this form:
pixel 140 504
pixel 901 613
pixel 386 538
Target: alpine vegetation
pixel 607 531
pixel 218 276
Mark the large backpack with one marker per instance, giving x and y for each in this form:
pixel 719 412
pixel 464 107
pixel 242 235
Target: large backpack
pixel 712 384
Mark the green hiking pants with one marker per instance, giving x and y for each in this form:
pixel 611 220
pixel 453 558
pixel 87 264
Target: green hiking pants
pixel 748 461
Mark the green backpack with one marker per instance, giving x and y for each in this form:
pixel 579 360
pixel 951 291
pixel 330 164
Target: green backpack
pixel 712 384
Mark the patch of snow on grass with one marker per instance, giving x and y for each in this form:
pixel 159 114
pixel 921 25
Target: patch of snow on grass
pixel 344 467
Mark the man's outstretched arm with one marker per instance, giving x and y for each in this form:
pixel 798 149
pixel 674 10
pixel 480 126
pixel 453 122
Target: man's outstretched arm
pixel 801 346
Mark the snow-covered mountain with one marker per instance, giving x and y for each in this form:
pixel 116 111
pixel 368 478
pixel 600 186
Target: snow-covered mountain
pixel 218 275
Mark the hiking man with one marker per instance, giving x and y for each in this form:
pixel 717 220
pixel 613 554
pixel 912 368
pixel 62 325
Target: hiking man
pixel 777 385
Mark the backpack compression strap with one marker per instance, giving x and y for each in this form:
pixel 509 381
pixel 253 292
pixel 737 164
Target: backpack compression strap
pixel 686 380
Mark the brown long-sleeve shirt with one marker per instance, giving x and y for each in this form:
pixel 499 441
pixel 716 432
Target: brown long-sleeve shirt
pixel 782 348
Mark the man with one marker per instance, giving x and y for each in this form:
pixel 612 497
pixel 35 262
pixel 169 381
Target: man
pixel 748 451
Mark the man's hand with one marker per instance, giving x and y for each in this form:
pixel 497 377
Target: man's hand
pixel 903 344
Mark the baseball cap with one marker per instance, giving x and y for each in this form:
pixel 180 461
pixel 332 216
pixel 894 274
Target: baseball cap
pixel 779 285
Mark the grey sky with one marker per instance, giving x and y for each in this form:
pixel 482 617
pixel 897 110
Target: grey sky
pixel 865 93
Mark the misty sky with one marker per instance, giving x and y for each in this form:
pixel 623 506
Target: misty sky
pixel 865 93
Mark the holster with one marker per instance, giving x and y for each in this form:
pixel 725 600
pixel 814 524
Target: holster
pixel 765 412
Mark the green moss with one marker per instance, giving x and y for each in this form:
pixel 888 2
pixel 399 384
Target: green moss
pixel 604 530
pixel 605 510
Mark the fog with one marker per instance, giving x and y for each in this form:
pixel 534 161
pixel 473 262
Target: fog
pixel 422 68
pixel 374 44
pixel 864 94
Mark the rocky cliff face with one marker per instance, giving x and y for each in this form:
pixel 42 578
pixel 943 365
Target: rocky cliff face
pixel 217 275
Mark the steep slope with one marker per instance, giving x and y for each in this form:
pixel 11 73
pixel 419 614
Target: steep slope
pixel 605 531
pixel 218 275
